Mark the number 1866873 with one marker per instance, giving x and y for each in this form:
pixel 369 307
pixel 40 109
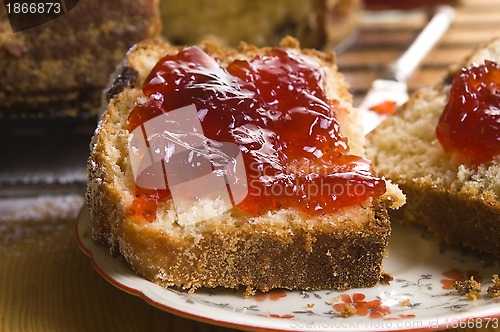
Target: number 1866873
pixel 34 8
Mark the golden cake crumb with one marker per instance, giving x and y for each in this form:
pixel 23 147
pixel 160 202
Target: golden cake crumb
pixel 385 278
pixel 348 310
pixel 405 303
pixel 249 291
pixel 310 305
pixel 470 288
pixel 494 290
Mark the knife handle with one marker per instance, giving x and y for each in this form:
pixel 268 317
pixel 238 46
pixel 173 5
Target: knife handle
pixel 403 68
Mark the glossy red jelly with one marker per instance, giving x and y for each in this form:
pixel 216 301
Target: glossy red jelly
pixel 275 108
pixel 469 127
pixel 384 108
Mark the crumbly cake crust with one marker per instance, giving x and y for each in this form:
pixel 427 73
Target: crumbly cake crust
pixel 455 219
pixel 277 250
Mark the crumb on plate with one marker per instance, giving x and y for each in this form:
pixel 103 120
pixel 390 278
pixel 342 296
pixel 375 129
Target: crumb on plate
pixel 348 310
pixel 405 303
pixel 470 288
pixel 494 290
pixel 385 278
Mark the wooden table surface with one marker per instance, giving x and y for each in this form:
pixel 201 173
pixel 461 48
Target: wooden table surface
pixel 48 284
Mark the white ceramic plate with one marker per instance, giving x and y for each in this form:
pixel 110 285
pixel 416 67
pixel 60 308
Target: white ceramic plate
pixel 419 298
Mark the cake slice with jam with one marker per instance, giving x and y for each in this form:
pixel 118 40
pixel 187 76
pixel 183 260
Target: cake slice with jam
pixel 443 148
pixel 241 167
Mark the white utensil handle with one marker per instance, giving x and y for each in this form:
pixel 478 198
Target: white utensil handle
pixel 425 41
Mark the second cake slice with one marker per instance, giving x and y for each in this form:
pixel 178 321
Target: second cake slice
pixel 452 182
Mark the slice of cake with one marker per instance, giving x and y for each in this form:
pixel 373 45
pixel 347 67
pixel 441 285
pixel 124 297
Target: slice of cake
pixel 452 182
pixel 239 167
pixel 59 68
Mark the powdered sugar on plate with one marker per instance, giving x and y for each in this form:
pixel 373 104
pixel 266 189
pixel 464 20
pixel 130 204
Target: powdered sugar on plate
pixel 35 219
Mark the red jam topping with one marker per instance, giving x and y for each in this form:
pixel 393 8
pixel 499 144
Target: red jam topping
pixel 469 127
pixel 275 109
pixel 384 108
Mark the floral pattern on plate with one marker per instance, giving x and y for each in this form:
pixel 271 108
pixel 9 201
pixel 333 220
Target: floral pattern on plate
pixel 421 295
